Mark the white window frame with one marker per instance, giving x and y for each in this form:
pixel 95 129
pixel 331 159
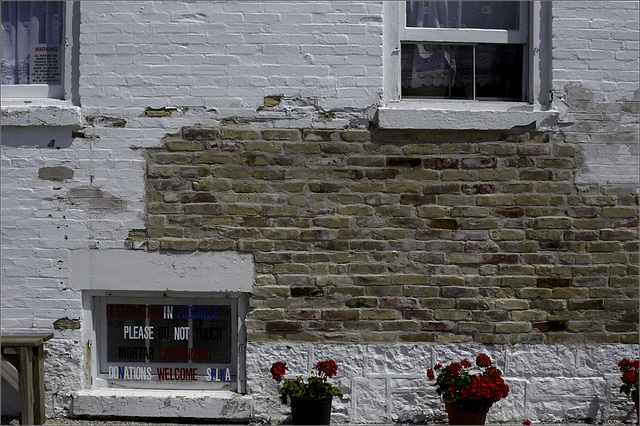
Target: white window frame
pixel 396 112
pixel 473 37
pixel 50 91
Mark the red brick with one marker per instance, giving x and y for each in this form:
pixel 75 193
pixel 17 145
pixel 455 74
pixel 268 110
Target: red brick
pixel 581 212
pixel 501 258
pixel 283 326
pixel 417 314
pixel 382 174
pixel 416 199
pixel 534 149
pixel 478 189
pixel 398 303
pixel 303 314
pixel 403 162
pixel 479 162
pixel 509 211
pixel 624 223
pixel 580 235
pixel 437 326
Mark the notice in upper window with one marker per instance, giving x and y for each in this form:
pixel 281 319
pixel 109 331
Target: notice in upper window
pixel 46 64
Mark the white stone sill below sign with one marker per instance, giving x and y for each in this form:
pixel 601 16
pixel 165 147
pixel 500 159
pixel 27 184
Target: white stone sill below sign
pixel 162 403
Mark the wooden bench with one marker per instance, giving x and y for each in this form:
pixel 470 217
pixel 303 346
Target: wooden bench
pixel 23 369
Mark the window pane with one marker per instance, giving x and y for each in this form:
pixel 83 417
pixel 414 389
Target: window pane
pixel 501 15
pixel 27 25
pixel 126 333
pixel 172 340
pixel 499 72
pixel 212 333
pixel 437 70
pixel 447 71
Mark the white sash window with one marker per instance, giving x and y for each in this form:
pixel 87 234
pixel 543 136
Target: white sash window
pixel 34 53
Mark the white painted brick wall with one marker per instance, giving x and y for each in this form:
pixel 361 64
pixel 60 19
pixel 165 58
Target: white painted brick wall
pixel 595 50
pixel 388 383
pixel 228 56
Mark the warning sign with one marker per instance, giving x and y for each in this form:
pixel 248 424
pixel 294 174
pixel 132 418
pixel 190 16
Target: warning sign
pixel 46 64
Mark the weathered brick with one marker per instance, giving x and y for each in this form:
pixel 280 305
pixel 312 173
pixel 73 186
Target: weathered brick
pixel 618 212
pixel 536 174
pixel 281 134
pixel 478 189
pixel 276 326
pixel 531 149
pixel 552 223
pixel 479 162
pixel 182 145
pixel 239 133
pixel 178 244
pixel 200 133
pixel 443 223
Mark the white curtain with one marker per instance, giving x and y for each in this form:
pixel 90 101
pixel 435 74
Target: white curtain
pixel 25 23
pixel 438 69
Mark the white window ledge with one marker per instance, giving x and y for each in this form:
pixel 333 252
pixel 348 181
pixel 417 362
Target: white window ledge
pixel 40 112
pixel 452 115
pixel 162 403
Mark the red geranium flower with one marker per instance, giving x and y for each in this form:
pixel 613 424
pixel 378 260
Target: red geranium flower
pixel 630 373
pixel 628 377
pixel 278 370
pixel 314 387
pixel 473 392
pixel 328 368
pixel 483 361
pixel 453 369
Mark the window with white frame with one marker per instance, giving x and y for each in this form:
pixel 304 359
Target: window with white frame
pixel 167 343
pixel 464 50
pixel 35 54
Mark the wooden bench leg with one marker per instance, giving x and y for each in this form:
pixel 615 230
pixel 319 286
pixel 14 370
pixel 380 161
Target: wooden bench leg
pixel 38 386
pixel 26 385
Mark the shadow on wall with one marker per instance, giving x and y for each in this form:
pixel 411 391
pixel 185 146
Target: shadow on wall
pixel 38 137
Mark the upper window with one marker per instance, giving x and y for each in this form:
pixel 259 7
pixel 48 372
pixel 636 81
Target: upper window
pixel 497 52
pixel 470 50
pixel 33 56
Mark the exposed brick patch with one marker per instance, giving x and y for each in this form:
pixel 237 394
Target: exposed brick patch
pixel 402 236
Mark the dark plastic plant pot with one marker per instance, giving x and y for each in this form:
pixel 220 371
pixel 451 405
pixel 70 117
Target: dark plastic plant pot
pixel 311 411
pixel 459 416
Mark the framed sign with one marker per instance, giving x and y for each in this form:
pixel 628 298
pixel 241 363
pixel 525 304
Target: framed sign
pixel 168 343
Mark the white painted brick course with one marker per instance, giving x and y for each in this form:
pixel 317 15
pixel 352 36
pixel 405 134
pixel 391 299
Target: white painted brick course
pixel 228 56
pixel 387 383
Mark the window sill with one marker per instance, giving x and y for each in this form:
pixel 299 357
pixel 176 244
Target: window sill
pixel 40 112
pixel 461 115
pixel 162 404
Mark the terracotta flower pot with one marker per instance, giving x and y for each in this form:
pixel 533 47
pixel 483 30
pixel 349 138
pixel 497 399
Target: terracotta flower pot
pixel 311 411
pixel 458 416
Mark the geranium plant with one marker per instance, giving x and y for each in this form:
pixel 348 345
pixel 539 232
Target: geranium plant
pixel 472 392
pixel 316 386
pixel 629 377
